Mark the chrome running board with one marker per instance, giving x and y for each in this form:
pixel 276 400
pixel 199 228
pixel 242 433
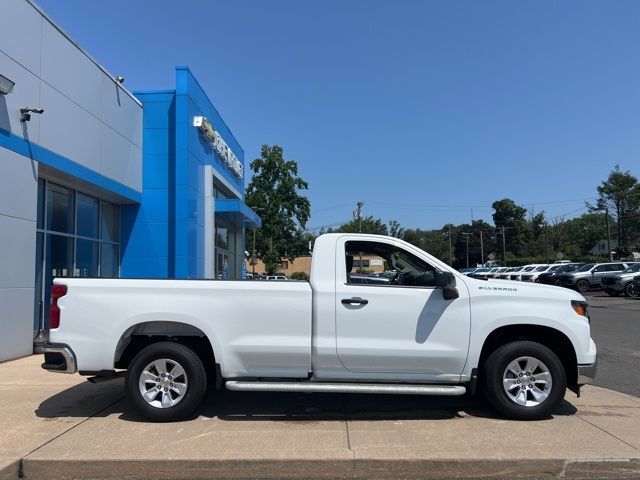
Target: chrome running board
pixel 245 386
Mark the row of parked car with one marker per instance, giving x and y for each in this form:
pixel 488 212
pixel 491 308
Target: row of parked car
pixel 615 278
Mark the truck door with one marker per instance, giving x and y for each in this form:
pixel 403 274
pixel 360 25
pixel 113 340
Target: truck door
pixel 396 322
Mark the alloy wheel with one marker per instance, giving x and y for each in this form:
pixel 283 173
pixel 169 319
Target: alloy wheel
pixel 527 381
pixel 163 383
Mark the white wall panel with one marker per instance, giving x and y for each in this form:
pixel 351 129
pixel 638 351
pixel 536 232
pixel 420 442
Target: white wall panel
pixel 69 130
pixel 26 93
pixel 69 70
pixel 21 33
pixel 120 112
pixel 116 154
pixel 18 186
pixel 17 322
pixel 17 236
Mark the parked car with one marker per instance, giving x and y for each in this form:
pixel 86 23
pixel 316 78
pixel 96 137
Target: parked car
pixel 618 283
pixel 505 275
pixel 563 262
pixel 527 343
pixel 526 269
pixel 533 275
pixel 550 277
pixel 277 277
pixel 589 275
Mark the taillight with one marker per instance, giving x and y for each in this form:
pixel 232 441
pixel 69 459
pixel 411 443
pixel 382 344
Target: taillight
pixel 57 291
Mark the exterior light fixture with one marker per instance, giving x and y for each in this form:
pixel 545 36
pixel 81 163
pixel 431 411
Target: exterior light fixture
pixel 6 85
pixel 119 79
pixel 25 113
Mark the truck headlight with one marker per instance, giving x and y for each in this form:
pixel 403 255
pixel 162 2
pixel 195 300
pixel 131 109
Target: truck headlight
pixel 580 308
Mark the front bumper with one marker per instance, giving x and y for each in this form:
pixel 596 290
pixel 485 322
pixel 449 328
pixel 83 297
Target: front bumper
pixel 58 357
pixel 587 372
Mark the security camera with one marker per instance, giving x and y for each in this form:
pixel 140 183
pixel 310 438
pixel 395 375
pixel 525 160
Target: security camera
pixel 119 79
pixel 25 113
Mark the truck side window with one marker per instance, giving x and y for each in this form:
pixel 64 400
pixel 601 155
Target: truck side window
pixel 382 264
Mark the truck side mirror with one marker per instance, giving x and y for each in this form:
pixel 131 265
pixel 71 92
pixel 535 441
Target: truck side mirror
pixel 446 281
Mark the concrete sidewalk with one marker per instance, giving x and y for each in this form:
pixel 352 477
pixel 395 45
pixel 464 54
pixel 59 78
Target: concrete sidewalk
pixel 60 426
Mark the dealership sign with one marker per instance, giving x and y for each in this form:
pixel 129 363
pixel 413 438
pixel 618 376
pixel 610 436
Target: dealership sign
pixel 218 144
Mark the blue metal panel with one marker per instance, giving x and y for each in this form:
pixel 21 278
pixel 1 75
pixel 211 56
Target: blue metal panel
pixel 45 156
pixel 237 212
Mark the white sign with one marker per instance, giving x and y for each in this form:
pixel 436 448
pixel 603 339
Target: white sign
pixel 218 144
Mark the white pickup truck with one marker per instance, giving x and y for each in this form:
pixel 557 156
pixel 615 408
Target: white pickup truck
pixel 428 331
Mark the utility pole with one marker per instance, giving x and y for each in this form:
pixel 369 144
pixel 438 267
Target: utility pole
pixel 481 249
pixel 450 251
pixel 606 212
pixel 358 216
pixel 546 241
pixel 467 234
pixel 504 248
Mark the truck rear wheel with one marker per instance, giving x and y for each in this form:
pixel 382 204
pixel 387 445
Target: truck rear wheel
pixel 166 381
pixel 524 380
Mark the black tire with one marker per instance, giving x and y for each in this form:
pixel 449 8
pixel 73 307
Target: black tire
pixel 195 376
pixel 629 289
pixel 582 285
pixel 496 365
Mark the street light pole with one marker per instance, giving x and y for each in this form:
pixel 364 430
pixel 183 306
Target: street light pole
pixel 253 255
pixel 481 249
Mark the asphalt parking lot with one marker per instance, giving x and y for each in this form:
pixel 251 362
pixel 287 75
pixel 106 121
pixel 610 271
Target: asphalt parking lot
pixel 615 327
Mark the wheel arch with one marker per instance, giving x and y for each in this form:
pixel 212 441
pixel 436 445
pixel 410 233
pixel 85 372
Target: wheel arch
pixel 550 337
pixel 145 333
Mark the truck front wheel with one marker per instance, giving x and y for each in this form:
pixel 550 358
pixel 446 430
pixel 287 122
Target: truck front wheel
pixel 166 381
pixel 524 380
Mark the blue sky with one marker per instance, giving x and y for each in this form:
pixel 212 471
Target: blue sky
pixel 421 109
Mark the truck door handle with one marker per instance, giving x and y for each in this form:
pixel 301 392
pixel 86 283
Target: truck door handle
pixel 354 301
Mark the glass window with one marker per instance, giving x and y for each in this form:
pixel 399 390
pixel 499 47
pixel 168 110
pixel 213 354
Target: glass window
pixel 60 210
pixel 41 189
pixel 222 237
pixel 60 255
pixel 110 224
pixel 86 258
pixel 406 269
pixel 88 216
pixel 37 311
pixel 109 260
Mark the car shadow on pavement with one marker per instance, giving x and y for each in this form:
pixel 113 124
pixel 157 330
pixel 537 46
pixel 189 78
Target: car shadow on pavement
pixel 107 398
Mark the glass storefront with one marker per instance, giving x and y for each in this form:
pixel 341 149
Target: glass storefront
pixel 78 235
pixel 226 251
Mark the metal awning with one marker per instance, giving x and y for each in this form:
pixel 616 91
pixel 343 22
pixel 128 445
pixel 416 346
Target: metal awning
pixel 237 212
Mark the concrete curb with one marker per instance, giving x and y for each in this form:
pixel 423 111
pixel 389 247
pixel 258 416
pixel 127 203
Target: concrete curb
pixel 10 470
pixel 617 468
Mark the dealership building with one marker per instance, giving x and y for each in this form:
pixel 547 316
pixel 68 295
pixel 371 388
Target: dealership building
pixel 96 181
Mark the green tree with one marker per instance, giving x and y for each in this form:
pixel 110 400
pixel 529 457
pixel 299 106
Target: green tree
pixel 395 229
pixel 620 195
pixel 369 225
pixel 476 247
pixel 513 218
pixel 274 192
